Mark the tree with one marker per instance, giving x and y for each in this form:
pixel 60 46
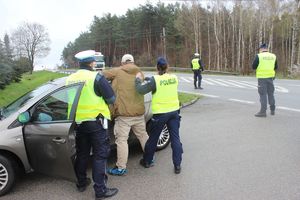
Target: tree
pixel 31 40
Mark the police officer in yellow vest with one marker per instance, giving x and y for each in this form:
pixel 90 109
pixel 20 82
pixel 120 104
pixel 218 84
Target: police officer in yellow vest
pixel 91 117
pixel 265 64
pixel 197 67
pixel 165 109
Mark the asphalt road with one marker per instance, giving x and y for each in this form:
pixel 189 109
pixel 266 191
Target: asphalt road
pixel 228 155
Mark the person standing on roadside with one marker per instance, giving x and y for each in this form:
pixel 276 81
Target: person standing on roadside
pixel 165 109
pixel 265 64
pixel 128 111
pixel 91 117
pixel 197 67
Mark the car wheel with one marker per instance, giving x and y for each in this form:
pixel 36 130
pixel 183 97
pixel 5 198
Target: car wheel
pixel 7 174
pixel 164 139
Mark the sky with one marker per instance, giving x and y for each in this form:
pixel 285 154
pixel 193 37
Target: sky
pixel 64 20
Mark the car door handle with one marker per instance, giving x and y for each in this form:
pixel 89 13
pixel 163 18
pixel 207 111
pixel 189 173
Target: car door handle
pixel 59 140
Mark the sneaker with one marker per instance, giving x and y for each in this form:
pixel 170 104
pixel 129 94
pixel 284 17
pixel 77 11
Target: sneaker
pixel 146 165
pixel 201 88
pixel 117 172
pixel 177 169
pixel 82 188
pixel 261 114
pixel 195 87
pixel 109 193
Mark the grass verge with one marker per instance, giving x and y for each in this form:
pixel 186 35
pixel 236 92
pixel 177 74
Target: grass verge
pixel 186 97
pixel 31 81
pixel 28 83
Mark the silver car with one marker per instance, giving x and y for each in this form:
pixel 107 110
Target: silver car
pixel 37 133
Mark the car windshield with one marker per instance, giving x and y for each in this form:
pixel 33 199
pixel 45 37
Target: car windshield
pixel 17 104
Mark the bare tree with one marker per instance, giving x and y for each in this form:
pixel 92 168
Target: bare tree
pixel 31 40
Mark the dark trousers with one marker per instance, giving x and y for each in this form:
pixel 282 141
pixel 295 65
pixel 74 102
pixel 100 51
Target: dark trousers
pixel 172 120
pixel 91 135
pixel 266 93
pixel 197 77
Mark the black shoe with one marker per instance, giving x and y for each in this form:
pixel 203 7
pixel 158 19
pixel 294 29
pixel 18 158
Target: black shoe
pixel 261 114
pixel 177 169
pixel 109 193
pixel 195 87
pixel 201 88
pixel 146 165
pixel 83 188
pixel 272 112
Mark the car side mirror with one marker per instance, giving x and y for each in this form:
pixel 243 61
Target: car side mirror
pixel 24 117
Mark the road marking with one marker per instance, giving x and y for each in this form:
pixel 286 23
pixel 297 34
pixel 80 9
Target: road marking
pixel 217 82
pixel 281 89
pixel 242 101
pixel 186 80
pixel 207 82
pixel 245 84
pixel 231 83
pixel 286 108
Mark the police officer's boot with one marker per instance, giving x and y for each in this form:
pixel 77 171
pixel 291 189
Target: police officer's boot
pixel 261 114
pixel 272 108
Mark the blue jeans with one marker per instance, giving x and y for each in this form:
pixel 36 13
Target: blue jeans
pixel 172 120
pixel 91 135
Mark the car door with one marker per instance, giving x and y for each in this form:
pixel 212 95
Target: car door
pixel 50 135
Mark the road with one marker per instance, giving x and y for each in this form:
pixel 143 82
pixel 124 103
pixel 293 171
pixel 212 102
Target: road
pixel 228 154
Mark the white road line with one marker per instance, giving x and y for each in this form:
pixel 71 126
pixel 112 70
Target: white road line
pixel 281 89
pixel 242 101
pixel 186 80
pixel 231 83
pixel 217 82
pixel 286 108
pixel 207 82
pixel 245 84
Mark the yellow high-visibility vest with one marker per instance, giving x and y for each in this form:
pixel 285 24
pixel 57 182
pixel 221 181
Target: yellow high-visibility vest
pixel 195 64
pixel 165 99
pixel 90 105
pixel 265 68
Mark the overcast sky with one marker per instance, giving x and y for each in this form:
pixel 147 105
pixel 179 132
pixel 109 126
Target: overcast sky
pixel 63 19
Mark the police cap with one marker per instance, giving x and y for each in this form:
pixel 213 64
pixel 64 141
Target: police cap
pixel 86 56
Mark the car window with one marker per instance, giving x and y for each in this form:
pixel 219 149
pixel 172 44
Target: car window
pixel 57 106
pixel 14 106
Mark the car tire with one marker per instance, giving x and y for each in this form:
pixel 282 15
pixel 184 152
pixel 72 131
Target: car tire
pixel 164 138
pixel 7 174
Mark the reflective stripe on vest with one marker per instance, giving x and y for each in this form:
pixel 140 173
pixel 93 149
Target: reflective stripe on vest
pixel 195 63
pixel 90 105
pixel 265 68
pixel 165 99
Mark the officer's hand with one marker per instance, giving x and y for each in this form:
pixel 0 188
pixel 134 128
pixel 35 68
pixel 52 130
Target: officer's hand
pixel 139 75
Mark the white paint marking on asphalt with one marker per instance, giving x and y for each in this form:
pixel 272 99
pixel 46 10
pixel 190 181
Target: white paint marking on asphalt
pixel 186 80
pixel 217 82
pixel 286 108
pixel 207 82
pixel 231 83
pixel 241 101
pixel 245 84
pixel 281 89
